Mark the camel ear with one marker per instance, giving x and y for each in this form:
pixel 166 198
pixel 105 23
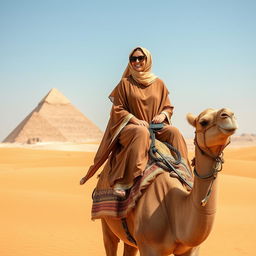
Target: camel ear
pixel 191 119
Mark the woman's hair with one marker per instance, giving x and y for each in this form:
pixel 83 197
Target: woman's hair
pixel 137 49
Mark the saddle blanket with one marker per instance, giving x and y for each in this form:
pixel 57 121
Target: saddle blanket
pixel 106 203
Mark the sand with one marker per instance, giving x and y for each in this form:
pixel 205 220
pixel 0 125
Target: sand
pixel 45 212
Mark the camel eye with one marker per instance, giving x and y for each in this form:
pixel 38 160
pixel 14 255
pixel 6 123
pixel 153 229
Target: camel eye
pixel 204 123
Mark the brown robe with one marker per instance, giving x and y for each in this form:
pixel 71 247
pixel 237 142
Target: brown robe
pixel 126 145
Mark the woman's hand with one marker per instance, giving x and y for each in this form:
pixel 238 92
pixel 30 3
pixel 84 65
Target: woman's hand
pixel 159 118
pixel 137 121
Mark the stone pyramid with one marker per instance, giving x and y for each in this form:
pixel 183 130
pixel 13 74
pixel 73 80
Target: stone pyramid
pixel 55 119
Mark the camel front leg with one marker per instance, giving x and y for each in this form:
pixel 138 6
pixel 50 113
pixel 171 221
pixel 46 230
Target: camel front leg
pixel 110 239
pixel 129 250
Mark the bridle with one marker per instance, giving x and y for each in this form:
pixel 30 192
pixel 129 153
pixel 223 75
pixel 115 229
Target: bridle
pixel 218 159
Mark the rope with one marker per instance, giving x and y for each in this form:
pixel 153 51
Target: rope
pixel 162 161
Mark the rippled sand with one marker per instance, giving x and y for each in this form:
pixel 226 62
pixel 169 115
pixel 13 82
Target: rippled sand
pixel 45 212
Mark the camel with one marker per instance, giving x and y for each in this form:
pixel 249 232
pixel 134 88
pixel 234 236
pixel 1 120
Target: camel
pixel 168 219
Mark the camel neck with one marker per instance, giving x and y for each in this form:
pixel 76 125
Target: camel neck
pixel 204 166
pixel 200 218
pixel 203 163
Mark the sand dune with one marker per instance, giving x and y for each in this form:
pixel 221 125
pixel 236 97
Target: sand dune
pixel 45 212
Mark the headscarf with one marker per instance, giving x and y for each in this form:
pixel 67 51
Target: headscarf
pixel 144 77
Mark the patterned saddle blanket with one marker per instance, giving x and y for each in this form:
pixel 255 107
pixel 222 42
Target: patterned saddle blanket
pixel 106 203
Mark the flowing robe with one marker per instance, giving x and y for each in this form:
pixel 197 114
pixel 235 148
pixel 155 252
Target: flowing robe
pixel 129 99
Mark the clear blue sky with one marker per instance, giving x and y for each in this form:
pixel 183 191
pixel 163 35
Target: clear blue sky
pixel 205 51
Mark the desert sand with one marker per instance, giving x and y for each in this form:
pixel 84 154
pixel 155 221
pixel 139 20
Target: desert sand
pixel 45 212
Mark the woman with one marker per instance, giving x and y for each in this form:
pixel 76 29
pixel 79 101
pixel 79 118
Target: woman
pixel 139 99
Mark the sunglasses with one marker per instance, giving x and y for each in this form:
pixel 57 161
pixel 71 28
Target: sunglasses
pixel 135 58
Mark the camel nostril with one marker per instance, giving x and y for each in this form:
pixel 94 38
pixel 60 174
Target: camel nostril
pixel 224 115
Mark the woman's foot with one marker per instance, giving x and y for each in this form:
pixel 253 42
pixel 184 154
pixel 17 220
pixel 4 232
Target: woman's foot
pixel 119 192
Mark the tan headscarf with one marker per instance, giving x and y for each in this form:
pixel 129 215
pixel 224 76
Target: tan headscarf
pixel 145 77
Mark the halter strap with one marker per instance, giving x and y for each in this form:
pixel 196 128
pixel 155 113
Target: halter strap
pixel 217 159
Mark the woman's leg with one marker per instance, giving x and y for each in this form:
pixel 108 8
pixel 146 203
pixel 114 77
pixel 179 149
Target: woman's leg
pixel 132 158
pixel 172 135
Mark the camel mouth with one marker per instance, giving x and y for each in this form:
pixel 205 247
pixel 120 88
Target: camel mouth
pixel 228 126
pixel 228 131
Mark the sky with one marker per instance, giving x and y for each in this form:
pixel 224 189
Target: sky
pixel 204 51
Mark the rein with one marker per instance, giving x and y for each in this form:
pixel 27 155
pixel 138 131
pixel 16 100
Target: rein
pixel 215 170
pixel 162 161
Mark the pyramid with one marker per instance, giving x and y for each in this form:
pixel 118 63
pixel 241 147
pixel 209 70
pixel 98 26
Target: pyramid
pixel 55 119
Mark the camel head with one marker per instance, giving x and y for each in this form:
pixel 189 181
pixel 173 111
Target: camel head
pixel 213 129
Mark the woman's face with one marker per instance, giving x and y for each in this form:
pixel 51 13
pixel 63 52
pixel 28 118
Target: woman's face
pixel 138 60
